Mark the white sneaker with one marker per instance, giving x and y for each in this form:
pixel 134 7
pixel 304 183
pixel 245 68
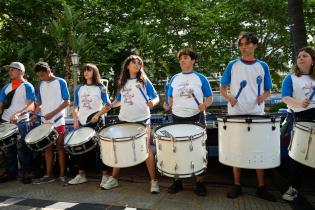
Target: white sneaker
pixel 111 183
pixel 290 194
pixel 104 180
pixel 155 186
pixel 78 180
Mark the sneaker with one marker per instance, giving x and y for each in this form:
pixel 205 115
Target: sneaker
pixel 290 194
pixel 62 180
pixel 78 180
pixel 175 187
pixel 235 191
pixel 44 179
pixel 6 177
pixel 155 186
pixel 110 184
pixel 201 189
pixel 263 193
pixel 104 180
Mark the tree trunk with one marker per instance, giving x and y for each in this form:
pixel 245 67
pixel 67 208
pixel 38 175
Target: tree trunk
pixel 297 25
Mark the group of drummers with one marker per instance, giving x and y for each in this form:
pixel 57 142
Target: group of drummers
pixel 245 84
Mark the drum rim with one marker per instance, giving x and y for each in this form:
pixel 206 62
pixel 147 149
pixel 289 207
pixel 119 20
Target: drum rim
pixel 246 117
pixel 121 139
pixel 162 172
pixel 53 129
pixel 15 130
pixel 302 127
pixel 186 138
pixel 66 142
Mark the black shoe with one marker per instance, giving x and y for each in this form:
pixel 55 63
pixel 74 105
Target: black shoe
pixel 26 179
pixel 201 189
pixel 7 177
pixel 235 192
pixel 263 193
pixel 175 187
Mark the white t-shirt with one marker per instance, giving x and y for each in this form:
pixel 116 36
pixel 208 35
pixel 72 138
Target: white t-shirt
pixel 133 106
pixel 237 71
pixel 51 94
pixel 180 86
pixel 299 88
pixel 89 99
pixel 24 93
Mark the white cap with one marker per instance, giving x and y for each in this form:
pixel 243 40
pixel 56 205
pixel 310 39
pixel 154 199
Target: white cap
pixel 16 65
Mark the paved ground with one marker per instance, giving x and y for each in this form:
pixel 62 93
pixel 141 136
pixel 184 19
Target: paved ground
pixel 133 193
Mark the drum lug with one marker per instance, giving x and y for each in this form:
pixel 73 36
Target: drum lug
pixel 192 165
pixel 248 128
pixel 161 164
pixel 191 148
pixel 309 144
pixel 114 149
pixel 175 167
pixel 290 144
pixel 224 126
pixel 134 148
pixel 160 146
pixel 173 141
pixel 273 127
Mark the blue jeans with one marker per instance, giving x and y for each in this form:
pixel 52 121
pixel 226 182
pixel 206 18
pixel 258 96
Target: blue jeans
pixel 19 152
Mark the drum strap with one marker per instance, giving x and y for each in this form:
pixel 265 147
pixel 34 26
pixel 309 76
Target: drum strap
pixel 309 143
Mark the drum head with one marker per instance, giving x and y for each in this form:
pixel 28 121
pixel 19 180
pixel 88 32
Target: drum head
pixel 305 125
pixel 179 130
pixel 122 131
pixel 7 129
pixel 39 133
pixel 79 136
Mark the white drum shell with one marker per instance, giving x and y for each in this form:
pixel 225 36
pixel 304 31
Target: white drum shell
pixel 257 148
pixel 123 144
pixel 302 148
pixel 183 156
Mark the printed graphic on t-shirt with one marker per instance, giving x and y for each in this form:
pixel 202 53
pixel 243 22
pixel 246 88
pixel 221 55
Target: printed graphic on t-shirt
pixel 183 89
pixel 86 101
pixel 127 96
pixel 308 89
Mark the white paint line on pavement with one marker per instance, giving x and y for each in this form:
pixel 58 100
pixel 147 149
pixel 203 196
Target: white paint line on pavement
pixel 11 201
pixel 130 208
pixel 60 206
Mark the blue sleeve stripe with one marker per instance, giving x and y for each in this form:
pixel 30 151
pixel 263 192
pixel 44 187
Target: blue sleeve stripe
pixel 2 93
pixel 150 89
pixel 39 98
pixel 205 85
pixel 64 89
pixel 287 86
pixel 170 87
pixel 30 92
pixel 226 78
pixel 104 96
pixel 76 96
pixel 267 78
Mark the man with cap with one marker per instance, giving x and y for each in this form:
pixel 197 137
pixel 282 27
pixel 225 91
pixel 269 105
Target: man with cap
pixel 16 101
pixel 52 99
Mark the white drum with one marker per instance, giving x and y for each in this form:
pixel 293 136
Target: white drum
pixel 181 149
pixel 249 141
pixel 41 137
pixel 123 144
pixel 8 134
pixel 81 140
pixel 302 145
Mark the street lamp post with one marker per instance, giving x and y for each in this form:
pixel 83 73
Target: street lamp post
pixel 75 59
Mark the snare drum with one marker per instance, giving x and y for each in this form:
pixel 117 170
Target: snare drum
pixel 302 146
pixel 8 134
pixel 181 149
pixel 251 141
pixel 81 141
pixel 123 144
pixel 41 137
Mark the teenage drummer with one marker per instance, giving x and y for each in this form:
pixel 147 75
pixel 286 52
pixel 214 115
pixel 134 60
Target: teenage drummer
pixel 16 100
pixel 247 68
pixel 189 95
pixel 89 105
pixel 297 90
pixel 52 99
pixel 136 95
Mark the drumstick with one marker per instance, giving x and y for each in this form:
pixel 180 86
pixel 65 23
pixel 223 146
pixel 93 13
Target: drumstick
pixel 166 96
pixel 243 83
pixel 258 81
pixel 39 115
pixel 191 92
pixel 138 85
pixel 312 95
